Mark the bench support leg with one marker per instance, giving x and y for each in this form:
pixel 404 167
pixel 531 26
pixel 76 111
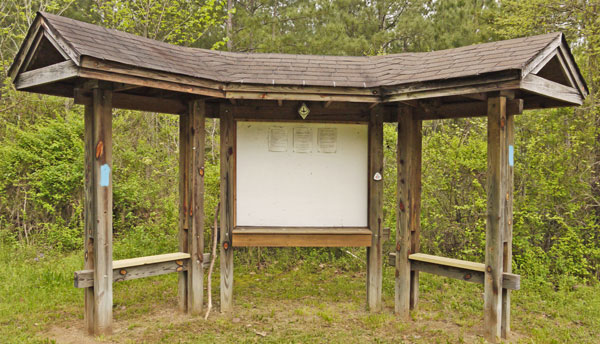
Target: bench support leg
pixel 374 253
pixel 98 211
pixel 408 207
pixel 497 180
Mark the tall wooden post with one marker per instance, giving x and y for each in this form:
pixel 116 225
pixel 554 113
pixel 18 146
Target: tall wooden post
pixel 507 249
pixel 184 189
pixel 192 205
pixel 227 127
pixel 408 209
pixel 374 253
pixel 497 180
pixel 98 211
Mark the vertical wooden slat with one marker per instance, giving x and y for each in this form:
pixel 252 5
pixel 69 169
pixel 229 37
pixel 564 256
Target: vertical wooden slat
pixel 89 213
pixel 184 124
pixel 227 203
pixel 507 249
pixel 408 207
pixel 374 253
pixel 102 185
pixel 496 189
pixel 195 241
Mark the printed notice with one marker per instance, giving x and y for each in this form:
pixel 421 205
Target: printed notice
pixel 302 140
pixel 327 140
pixel 278 139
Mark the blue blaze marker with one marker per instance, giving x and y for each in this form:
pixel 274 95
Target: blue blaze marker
pixel 104 175
pixel 511 155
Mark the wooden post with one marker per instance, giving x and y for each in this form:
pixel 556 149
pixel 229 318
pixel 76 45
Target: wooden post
pixel 195 241
pixel 184 155
pixel 227 127
pixel 507 254
pixel 374 253
pixel 98 211
pixel 408 208
pixel 497 179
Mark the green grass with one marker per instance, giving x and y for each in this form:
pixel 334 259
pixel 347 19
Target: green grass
pixel 302 303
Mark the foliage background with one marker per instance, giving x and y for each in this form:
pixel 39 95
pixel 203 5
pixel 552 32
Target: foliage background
pixel 557 170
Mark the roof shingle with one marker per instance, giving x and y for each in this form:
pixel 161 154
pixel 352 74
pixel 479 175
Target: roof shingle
pixel 287 69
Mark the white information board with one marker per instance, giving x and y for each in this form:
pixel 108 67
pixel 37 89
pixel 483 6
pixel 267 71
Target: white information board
pixel 291 174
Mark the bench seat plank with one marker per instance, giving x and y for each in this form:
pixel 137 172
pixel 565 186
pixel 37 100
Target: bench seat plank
pixel 133 268
pixel 455 268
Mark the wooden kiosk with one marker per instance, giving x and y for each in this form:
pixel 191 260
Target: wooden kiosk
pixel 301 148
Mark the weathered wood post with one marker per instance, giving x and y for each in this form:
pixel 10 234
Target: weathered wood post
pixel 192 205
pixel 184 155
pixel 98 211
pixel 507 249
pixel 408 209
pixel 497 181
pixel 227 203
pixel 374 253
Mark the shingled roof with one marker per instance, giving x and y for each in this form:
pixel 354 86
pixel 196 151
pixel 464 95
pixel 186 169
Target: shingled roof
pixel 520 56
pixel 286 69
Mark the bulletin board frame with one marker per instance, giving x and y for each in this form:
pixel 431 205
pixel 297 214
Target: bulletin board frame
pixel 299 236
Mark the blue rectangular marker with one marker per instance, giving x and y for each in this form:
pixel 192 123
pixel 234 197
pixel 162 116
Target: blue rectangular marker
pixel 104 175
pixel 511 155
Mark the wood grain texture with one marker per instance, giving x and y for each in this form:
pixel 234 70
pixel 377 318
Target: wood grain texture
pixel 374 253
pixel 182 284
pixel 101 211
pixel 551 89
pixel 139 103
pixel 456 263
pixel 227 144
pixel 300 230
pixel 301 240
pixel 89 213
pixel 508 234
pixel 496 216
pixel 128 269
pixel 439 267
pixel 405 149
pixel 45 75
pixel 195 214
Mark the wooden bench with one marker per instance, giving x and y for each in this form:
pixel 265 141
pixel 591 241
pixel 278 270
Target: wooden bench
pixel 133 268
pixel 456 268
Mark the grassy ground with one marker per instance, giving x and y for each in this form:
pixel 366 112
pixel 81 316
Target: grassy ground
pixel 302 303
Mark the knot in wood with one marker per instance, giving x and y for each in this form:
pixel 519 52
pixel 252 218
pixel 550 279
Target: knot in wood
pixel 489 269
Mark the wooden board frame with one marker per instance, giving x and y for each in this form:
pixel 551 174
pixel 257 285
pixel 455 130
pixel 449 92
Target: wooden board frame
pixel 275 236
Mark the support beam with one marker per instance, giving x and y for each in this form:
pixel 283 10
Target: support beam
pixel 195 213
pixel 184 220
pixel 497 179
pixel 98 212
pixel 507 248
pixel 408 207
pixel 135 102
pixel 551 89
pixel 463 110
pixel 227 127
pixel 374 253
pixel 45 75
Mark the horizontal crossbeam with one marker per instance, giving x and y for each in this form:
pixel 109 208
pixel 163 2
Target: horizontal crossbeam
pixel 455 268
pixel 134 268
pixel 301 237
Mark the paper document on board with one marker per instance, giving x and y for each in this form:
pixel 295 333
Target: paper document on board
pixel 278 139
pixel 327 140
pixel 302 140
